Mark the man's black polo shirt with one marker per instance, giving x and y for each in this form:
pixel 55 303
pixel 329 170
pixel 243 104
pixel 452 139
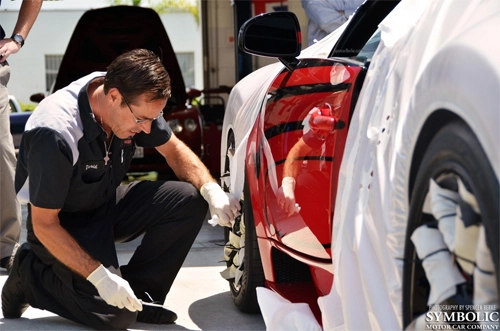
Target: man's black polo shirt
pixel 61 157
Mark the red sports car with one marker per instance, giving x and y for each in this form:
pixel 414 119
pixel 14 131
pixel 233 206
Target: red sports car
pixel 369 174
pixel 292 154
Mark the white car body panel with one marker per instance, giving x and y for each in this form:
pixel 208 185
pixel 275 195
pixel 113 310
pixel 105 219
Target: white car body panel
pixel 442 58
pixel 14 105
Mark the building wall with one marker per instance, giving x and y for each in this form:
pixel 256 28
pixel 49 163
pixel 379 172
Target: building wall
pixel 50 36
pixel 185 36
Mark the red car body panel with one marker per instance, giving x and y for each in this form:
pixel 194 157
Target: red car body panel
pixel 304 236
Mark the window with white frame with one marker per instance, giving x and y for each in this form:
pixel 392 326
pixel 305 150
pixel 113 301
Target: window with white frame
pixel 52 64
pixel 186 63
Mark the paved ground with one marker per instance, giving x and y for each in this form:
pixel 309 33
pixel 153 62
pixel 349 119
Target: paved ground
pixel 199 296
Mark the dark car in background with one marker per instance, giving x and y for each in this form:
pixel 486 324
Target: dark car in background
pixel 100 36
pixel 17 124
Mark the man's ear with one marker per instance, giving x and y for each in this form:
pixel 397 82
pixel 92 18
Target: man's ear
pixel 115 95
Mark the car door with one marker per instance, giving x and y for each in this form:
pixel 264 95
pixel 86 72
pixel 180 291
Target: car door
pixel 304 127
pixel 302 132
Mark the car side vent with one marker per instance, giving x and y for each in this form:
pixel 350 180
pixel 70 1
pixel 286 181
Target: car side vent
pixel 289 270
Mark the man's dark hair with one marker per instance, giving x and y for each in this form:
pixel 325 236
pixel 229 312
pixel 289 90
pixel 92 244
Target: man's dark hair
pixel 138 72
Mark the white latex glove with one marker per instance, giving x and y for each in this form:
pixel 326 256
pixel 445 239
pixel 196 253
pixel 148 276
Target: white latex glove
pixel 286 196
pixel 224 206
pixel 114 290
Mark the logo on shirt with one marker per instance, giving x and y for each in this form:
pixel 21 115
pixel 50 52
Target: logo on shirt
pixel 93 165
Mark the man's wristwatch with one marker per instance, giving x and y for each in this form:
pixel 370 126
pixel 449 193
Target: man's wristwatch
pixel 18 39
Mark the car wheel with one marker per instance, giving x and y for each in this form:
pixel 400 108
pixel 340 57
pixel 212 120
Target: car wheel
pixel 230 147
pixel 453 156
pixel 241 245
pixel 243 290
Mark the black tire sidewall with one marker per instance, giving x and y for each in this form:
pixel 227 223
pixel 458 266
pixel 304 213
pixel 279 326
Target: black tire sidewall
pixel 453 149
pixel 230 142
pixel 253 275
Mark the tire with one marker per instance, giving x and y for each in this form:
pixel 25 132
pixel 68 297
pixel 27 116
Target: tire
pixel 244 294
pixel 454 152
pixel 230 145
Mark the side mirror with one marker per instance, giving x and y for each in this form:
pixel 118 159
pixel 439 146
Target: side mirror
pixel 37 97
pixel 275 34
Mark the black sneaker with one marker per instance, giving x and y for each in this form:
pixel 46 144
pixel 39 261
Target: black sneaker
pixel 14 303
pixel 156 315
pixel 4 263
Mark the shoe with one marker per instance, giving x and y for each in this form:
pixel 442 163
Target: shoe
pixel 156 315
pixel 14 303
pixel 4 262
pixel 7 261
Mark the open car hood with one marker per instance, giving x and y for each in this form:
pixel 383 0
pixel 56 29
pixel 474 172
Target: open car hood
pixel 103 34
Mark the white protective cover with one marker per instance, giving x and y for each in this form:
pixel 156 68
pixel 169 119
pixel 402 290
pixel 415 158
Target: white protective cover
pixel 433 55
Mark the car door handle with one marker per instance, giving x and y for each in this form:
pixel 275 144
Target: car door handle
pixel 322 122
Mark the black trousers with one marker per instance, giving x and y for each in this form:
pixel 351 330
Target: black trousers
pixel 169 214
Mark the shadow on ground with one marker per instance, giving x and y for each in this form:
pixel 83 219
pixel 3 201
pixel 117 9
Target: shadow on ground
pixel 208 313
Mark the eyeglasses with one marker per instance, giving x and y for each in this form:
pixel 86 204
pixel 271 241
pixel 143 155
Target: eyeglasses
pixel 139 121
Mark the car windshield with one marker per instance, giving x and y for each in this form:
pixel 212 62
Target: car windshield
pixel 366 53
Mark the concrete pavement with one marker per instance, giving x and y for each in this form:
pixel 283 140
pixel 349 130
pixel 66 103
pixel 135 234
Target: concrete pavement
pixel 199 295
